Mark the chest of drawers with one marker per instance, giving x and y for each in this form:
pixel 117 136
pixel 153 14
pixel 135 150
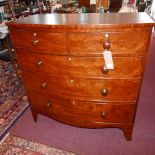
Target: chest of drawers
pixel 64 72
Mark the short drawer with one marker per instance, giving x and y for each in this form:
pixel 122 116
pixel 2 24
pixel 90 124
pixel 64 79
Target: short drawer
pixel 87 110
pixel 40 42
pixel 116 42
pixel 80 66
pixel 93 88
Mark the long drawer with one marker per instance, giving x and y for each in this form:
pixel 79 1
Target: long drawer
pixel 40 42
pixel 89 111
pixel 81 66
pixel 93 88
pixel 120 42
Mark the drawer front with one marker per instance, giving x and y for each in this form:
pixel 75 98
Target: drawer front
pixel 40 42
pixel 81 66
pixel 125 42
pixel 90 111
pixel 93 88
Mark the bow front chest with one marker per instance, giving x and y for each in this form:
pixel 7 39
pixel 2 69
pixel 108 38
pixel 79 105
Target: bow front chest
pixel 65 73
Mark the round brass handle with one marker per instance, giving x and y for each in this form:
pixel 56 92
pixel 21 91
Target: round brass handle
pixel 34 34
pixel 35 42
pixel 12 50
pixel 104 92
pixel 49 104
pixel 73 103
pixel 39 63
pixel 106 35
pixel 106 44
pixel 105 70
pixel 104 114
pixel 43 85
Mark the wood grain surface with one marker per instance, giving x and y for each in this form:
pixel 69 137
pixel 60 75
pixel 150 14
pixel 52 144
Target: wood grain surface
pixel 64 72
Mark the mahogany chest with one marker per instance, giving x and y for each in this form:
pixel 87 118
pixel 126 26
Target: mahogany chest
pixel 65 74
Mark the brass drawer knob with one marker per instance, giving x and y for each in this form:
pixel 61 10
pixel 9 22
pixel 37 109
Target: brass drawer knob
pixel 105 70
pixel 49 104
pixel 106 44
pixel 106 35
pixel 43 85
pixel 104 114
pixel 12 50
pixel 73 103
pixel 104 92
pixel 35 42
pixel 39 63
pixel 34 34
pixel 71 81
pixel 69 59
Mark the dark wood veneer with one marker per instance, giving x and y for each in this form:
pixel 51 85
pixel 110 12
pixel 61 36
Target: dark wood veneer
pixel 64 73
pixel 85 110
pixel 69 65
pixel 82 43
pixel 83 87
pixel 39 41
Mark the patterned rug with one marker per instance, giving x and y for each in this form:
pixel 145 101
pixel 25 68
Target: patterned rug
pixel 12 145
pixel 12 99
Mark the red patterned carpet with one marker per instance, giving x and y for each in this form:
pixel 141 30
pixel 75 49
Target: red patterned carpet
pixel 13 145
pixel 12 99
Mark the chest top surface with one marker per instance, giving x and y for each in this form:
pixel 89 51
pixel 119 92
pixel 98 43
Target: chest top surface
pixel 85 20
